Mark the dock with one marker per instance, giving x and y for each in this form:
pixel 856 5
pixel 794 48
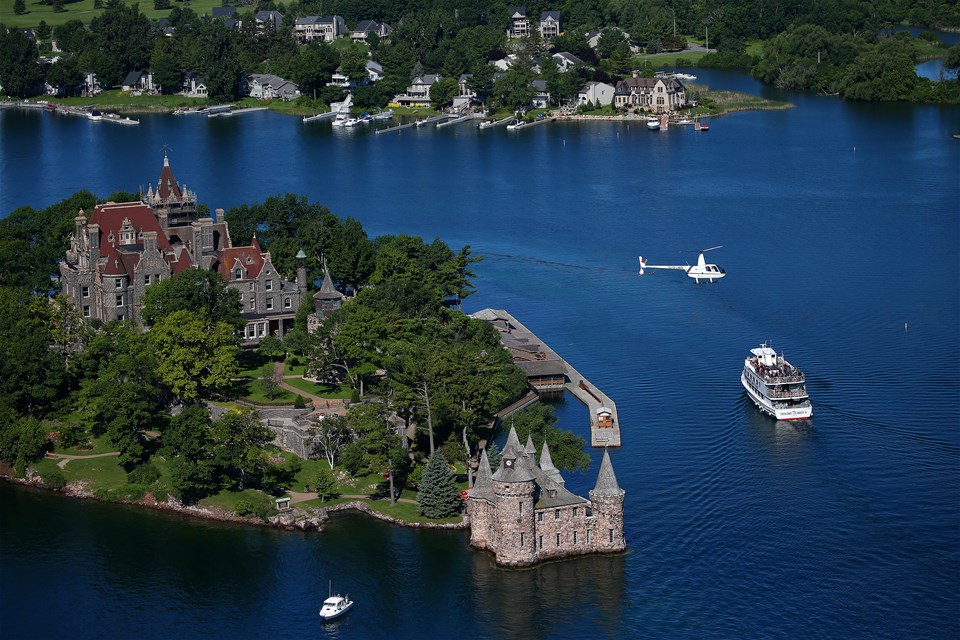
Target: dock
pixel 320 116
pixel 236 112
pixel 548 373
pixel 489 124
pixel 465 118
pixel 527 125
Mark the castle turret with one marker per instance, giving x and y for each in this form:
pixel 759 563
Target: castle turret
pixel 547 466
pixel 93 244
pixel 514 489
pixel 301 271
pixel 327 299
pixel 607 502
pixel 480 506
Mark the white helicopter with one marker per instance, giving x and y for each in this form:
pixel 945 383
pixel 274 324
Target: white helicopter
pixel 699 271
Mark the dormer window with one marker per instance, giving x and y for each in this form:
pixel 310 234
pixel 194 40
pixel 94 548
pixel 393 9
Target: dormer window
pixel 238 274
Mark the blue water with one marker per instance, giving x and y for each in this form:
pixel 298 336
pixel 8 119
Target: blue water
pixel 840 226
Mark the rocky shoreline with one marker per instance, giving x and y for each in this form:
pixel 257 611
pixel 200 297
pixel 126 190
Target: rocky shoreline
pixel 294 519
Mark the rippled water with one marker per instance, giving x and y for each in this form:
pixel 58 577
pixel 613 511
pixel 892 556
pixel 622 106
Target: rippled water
pixel 840 224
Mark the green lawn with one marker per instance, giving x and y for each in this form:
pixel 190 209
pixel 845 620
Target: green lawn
pixel 754 48
pixel 291 370
pixel 251 391
pixel 407 512
pixel 100 473
pixel 228 500
pixel 83 10
pixel 251 362
pixel 97 445
pixel 670 59
pixel 342 392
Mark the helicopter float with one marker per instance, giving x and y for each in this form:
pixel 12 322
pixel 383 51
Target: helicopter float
pixel 700 271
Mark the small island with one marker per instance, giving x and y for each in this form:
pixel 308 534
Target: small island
pixel 269 364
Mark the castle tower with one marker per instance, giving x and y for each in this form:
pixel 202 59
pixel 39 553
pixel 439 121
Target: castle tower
pixel 514 489
pixel 302 271
pixel 480 506
pixel 547 466
pixel 607 501
pixel 327 299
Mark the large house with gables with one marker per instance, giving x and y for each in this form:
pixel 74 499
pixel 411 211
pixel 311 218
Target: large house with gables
pixel 323 28
pixel 657 95
pixel 123 248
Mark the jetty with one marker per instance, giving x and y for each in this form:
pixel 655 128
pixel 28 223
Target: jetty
pixel 548 373
pixel 458 120
pixel 320 116
pixel 532 123
pixel 488 124
pixel 235 112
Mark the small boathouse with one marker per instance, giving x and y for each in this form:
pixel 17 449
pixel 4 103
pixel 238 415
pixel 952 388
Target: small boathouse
pixel 548 373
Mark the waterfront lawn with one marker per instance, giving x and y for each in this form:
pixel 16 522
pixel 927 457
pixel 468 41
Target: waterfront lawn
pixel 122 100
pixel 227 500
pixel 100 474
pixel 407 512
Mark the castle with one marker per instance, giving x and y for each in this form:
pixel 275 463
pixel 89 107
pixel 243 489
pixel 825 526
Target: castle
pixel 126 247
pixel 524 515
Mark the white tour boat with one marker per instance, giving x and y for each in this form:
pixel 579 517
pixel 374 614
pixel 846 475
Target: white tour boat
pixel 335 605
pixel 775 386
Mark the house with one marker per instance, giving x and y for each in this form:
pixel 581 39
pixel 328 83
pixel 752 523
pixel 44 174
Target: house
pixel 323 28
pixel 418 93
pixel 566 61
pixel 266 86
pixel 366 28
pixel 225 15
pixel 599 94
pixel 549 26
pixel 519 26
pixel 524 514
pixel 541 97
pixel 124 248
pixel 374 73
pixel 267 21
pixel 139 82
pixel 194 86
pixel 658 95
pixel 90 85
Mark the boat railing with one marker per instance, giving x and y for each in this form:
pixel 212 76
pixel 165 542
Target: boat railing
pixel 777 392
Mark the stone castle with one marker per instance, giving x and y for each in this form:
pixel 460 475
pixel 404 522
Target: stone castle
pixel 125 247
pixel 523 513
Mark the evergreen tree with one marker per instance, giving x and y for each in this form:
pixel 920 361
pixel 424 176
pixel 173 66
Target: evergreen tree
pixel 324 484
pixel 43 30
pixel 493 455
pixel 439 496
pixel 19 7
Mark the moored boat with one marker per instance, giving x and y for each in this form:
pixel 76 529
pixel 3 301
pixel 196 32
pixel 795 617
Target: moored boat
pixel 653 125
pixel 96 116
pixel 335 605
pixel 777 387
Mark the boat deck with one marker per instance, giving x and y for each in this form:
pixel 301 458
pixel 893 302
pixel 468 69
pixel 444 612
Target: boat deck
pixel 547 371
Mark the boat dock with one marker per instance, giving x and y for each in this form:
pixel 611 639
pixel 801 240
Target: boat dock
pixel 465 118
pixel 488 124
pixel 547 372
pixel 236 112
pixel 320 116
pixel 527 125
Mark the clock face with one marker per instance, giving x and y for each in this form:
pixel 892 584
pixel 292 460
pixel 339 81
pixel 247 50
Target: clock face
pixel 509 463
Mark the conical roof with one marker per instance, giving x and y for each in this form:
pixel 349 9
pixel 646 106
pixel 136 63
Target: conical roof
pixel 546 462
pixel 606 479
pixel 529 449
pixel 512 466
pixel 483 485
pixel 300 255
pixel 327 290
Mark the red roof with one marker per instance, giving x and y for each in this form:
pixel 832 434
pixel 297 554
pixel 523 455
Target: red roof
pixel 250 258
pixel 110 217
pixel 115 265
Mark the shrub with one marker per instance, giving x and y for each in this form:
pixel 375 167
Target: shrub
pixel 255 505
pixel 54 479
pixel 145 474
pixel 71 435
pixel 352 458
pixel 299 403
pixel 325 484
pixel 354 396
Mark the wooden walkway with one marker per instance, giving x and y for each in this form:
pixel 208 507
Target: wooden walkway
pixel 513 334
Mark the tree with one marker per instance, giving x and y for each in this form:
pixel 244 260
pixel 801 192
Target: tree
pixel 439 496
pixel 566 448
pixel 43 30
pixel 493 455
pixel 161 5
pixel 352 458
pixel 481 81
pixel 330 436
pixel 442 92
pixel 314 67
pixel 124 35
pixel 324 484
pixel 353 62
pixel 20 74
pixel 197 290
pixel 65 75
pixel 166 64
pixel 217 55
pixel 952 61
pixel 272 347
pixel 194 358
pixel 351 257
pixel 269 380
pixel 19 7
pixel 22 440
pixel 239 439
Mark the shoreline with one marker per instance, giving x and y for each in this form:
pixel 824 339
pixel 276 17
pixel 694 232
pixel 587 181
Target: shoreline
pixel 294 519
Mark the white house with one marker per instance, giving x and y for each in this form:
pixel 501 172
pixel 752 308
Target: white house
pixel 418 93
pixel 549 26
pixel 541 97
pixel 566 61
pixel 596 93
pixel 90 85
pixel 659 95
pixel 194 86
pixel 366 28
pixel 519 26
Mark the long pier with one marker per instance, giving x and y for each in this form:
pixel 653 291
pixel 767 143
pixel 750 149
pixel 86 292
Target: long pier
pixel 547 371
pixel 489 124
pixel 527 125
pixel 465 118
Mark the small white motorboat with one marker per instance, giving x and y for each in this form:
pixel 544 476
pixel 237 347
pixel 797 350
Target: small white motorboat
pixel 335 605
pixel 96 116
pixel 653 125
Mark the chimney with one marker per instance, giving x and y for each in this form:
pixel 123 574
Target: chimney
pixel 149 242
pixel 220 216
pixel 93 243
pixel 635 73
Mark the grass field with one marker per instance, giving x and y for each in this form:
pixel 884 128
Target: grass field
pixel 341 392
pixel 83 10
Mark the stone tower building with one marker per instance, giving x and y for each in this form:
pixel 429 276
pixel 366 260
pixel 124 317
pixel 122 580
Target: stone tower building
pixel 523 514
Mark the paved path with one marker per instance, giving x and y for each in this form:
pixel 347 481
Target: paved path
pixel 65 458
pixel 329 406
